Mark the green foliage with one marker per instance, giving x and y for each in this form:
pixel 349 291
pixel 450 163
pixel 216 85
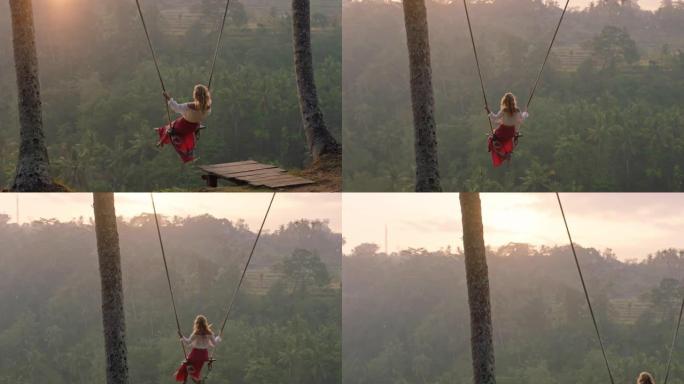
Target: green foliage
pixel 305 269
pixel 102 99
pixel 619 128
pixel 51 327
pixel 614 46
pixel 406 316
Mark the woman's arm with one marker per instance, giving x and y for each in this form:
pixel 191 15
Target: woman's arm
pixel 187 340
pixel 178 108
pixel 523 116
pixel 215 340
pixel 495 117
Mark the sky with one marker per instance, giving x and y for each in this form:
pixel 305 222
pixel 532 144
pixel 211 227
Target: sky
pixel 251 207
pixel 633 225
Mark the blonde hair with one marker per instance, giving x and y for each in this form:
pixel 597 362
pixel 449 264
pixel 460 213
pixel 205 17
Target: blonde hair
pixel 509 104
pixel 645 378
pixel 202 97
pixel 202 326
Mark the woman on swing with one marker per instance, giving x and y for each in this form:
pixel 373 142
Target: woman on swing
pixel 505 137
pixel 200 341
pixel 183 131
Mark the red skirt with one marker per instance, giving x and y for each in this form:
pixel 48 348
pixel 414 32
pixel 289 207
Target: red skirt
pixel 193 365
pixel 503 145
pixel 183 138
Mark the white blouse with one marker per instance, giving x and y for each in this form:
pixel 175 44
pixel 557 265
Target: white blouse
pixel 189 113
pixel 504 118
pixel 201 341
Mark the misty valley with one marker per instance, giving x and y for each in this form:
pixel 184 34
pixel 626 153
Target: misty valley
pixel 285 324
pixel 405 315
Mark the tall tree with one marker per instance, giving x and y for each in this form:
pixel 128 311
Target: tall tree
pixel 477 276
pixel 614 46
pixel 422 98
pixel 318 137
pixel 113 319
pixel 305 269
pixel 32 173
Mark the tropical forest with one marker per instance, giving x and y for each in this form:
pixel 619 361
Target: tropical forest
pixel 284 326
pixel 101 98
pixel 606 115
pixel 405 315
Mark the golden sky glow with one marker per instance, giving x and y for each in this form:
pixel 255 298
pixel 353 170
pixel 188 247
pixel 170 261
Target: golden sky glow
pixel 248 206
pixel 633 225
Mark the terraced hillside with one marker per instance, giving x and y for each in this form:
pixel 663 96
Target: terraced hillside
pixel 570 57
pixel 327 6
pixel 259 281
pixel 179 16
pixel 628 311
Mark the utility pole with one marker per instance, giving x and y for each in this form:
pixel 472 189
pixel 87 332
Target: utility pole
pixel 386 244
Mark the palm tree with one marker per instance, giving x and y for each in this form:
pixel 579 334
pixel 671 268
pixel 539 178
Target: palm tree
pixel 318 137
pixel 422 98
pixel 113 319
pixel 32 173
pixel 477 275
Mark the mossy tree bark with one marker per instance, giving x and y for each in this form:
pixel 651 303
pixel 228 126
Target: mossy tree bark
pixel 32 172
pixel 113 319
pixel 422 98
pixel 477 275
pixel 318 137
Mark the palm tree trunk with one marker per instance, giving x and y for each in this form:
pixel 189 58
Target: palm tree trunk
pixel 113 319
pixel 32 173
pixel 422 99
pixel 477 275
pixel 318 137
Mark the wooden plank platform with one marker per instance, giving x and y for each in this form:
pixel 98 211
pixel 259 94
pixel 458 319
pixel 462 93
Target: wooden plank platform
pixel 252 173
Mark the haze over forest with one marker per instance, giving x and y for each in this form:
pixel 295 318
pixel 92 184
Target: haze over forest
pixel 286 322
pixel 606 116
pixel 102 99
pixel 406 316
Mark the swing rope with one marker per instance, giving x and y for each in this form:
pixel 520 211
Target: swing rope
pixel 593 318
pixel 477 62
pixel 168 278
pixel 233 298
pixel 244 270
pixel 548 53
pixel 235 292
pixel 541 70
pixel 674 342
pixel 218 44
pixel 154 57
pixel 584 287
